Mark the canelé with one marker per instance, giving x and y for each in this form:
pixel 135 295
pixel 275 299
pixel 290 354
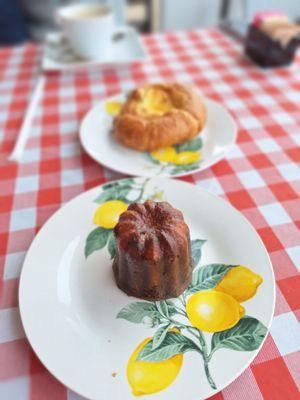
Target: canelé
pixel 153 251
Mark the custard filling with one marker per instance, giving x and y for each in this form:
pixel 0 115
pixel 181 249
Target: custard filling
pixel 154 102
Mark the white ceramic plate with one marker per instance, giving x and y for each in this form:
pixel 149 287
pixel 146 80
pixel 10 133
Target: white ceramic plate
pixel 58 55
pixel 69 303
pixel 98 141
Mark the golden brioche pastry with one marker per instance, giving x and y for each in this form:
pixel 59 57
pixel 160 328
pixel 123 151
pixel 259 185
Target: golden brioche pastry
pixel 160 115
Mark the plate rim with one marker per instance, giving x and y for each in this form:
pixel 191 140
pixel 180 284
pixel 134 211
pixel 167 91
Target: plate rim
pixel 213 160
pixel 197 189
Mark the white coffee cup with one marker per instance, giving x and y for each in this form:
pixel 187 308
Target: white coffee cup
pixel 89 28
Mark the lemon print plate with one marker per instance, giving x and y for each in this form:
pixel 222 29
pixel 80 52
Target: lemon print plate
pixel 104 344
pixel 212 144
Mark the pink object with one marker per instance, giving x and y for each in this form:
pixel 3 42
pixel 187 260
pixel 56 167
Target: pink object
pixel 261 17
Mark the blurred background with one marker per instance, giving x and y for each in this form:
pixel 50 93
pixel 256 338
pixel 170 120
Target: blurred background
pixel 22 20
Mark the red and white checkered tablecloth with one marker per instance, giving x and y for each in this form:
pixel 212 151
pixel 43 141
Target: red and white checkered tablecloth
pixel 260 177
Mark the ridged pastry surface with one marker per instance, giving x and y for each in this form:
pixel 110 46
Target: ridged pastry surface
pixel 153 259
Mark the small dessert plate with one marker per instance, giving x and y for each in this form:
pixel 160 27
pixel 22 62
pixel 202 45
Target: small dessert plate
pixel 96 136
pixel 59 56
pixel 84 329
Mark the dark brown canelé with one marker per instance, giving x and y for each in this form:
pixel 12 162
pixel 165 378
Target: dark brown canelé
pixel 153 251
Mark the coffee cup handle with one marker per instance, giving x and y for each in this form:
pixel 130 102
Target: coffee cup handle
pixel 57 18
pixel 120 32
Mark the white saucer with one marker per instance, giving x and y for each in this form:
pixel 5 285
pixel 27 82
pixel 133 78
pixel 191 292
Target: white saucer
pixel 69 303
pixel 96 137
pixel 58 55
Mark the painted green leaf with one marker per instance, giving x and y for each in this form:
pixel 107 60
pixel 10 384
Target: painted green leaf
pixel 162 307
pixel 138 311
pixel 106 195
pixel 128 181
pixel 184 168
pixel 112 245
pixel 123 182
pixel 196 250
pixel 123 192
pixel 115 190
pixel 110 185
pixel 171 308
pixel 192 145
pixel 159 336
pixel 118 193
pixel 96 240
pixel 208 276
pixel 246 335
pixel 173 343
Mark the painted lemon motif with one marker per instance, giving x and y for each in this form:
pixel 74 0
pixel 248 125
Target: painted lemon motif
pixel 113 107
pixel 213 311
pixel 166 155
pixel 107 214
pixel 169 155
pixel 147 377
pixel 159 195
pixel 240 282
pixel 187 157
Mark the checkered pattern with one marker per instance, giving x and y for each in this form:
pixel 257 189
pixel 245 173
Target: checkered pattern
pixel 260 177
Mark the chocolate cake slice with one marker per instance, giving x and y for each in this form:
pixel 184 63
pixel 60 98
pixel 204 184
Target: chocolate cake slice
pixel 272 40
